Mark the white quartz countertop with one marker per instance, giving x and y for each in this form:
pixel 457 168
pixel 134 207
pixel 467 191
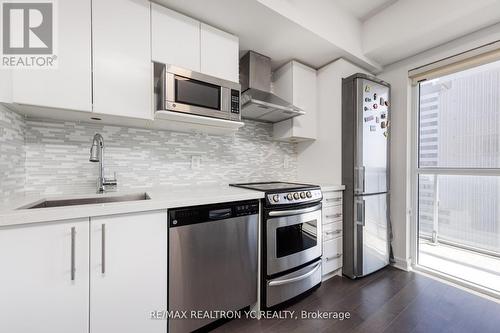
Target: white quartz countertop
pixel 160 198
pixel 332 187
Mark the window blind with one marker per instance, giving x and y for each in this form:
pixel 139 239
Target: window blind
pixel 468 59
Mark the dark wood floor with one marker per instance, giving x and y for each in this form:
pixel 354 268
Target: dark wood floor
pixel 387 301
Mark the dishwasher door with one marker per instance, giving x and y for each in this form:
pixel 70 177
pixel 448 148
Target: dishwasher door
pixel 212 263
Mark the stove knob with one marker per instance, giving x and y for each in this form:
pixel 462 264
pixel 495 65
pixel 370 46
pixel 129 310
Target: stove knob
pixel 308 194
pixel 276 198
pixel 289 196
pixel 302 195
pixel 296 196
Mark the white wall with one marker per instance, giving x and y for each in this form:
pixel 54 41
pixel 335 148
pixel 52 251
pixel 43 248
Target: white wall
pixel 320 161
pixel 401 143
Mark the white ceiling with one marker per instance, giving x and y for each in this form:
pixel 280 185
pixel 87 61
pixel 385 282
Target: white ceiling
pixel 268 32
pixel 363 9
pixel 369 33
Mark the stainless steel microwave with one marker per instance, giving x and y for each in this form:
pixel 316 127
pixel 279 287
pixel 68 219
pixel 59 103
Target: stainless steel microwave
pixel 196 93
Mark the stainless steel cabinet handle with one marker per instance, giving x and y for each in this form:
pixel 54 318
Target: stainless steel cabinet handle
pixel 338 255
pixel 73 268
pixel 338 231
pixel 297 278
pixel 333 215
pixel 295 211
pixel 103 249
pixel 334 199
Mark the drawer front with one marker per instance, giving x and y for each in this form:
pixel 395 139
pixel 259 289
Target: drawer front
pixel 332 198
pixel 332 214
pixel 332 255
pixel 332 230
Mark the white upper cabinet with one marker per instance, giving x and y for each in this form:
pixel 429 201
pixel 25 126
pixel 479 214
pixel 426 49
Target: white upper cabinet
pixel 175 38
pixel 69 86
pixel 128 272
pixel 38 291
pixel 296 83
pixel 122 58
pixel 6 85
pixel 219 53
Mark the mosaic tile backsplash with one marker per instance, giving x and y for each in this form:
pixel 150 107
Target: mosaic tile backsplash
pixel 12 153
pixel 57 157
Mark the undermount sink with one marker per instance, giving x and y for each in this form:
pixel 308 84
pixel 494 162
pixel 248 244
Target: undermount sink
pixel 87 201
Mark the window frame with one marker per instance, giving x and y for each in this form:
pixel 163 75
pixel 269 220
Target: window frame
pixel 415 171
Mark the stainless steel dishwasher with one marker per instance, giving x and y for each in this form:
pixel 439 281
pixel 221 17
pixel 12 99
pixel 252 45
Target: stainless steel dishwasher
pixel 212 260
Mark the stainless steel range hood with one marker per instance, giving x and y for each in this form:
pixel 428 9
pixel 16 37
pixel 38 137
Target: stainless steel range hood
pixel 257 100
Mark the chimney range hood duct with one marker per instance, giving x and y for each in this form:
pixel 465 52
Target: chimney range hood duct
pixel 257 101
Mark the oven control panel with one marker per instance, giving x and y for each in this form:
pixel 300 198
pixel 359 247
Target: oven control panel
pixel 300 196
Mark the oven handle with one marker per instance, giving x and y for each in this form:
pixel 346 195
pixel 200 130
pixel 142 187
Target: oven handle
pixel 295 279
pixel 295 211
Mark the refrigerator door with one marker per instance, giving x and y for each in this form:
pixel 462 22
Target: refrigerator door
pixel 372 239
pixel 371 167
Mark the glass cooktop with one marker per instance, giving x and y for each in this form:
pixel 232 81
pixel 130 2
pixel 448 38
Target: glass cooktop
pixel 273 186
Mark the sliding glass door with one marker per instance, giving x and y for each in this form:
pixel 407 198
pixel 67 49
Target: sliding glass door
pixel 458 175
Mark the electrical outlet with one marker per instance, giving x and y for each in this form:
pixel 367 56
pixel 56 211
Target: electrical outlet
pixel 195 162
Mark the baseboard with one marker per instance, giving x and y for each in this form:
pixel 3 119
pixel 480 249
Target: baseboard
pixel 331 274
pixel 402 264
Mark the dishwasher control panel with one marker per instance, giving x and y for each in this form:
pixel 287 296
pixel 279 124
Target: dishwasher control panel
pixel 207 213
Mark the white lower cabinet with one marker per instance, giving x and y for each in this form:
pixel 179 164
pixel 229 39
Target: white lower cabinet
pixel 128 272
pixel 37 290
pixel 332 233
pixel 98 275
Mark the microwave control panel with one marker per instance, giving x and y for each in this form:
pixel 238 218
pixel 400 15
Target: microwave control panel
pixel 235 101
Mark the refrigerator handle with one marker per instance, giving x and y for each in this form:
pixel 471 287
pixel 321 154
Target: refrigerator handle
pixel 363 169
pixel 360 207
pixel 363 210
pixel 360 179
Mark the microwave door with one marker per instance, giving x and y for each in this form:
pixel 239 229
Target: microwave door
pixel 196 97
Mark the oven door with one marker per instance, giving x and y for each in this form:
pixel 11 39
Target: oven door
pixel 293 238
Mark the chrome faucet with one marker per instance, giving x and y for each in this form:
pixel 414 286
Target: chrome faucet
pixel 97 155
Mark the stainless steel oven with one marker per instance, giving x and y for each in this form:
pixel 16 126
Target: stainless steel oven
pixel 293 238
pixel 293 253
pixel 291 246
pixel 196 93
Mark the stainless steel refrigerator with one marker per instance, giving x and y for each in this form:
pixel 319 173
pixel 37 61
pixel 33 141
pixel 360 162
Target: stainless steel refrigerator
pixel 365 173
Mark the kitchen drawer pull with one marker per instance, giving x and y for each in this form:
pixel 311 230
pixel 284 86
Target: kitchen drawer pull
pixel 329 232
pixel 333 216
pixel 338 255
pixel 334 199
pixel 297 278
pixel 103 249
pixel 73 249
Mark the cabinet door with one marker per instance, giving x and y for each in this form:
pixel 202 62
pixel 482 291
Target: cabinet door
pixel 68 86
pixel 296 83
pixel 219 53
pixel 304 96
pixel 122 58
pixel 6 85
pixel 128 276
pixel 37 291
pixel 175 38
